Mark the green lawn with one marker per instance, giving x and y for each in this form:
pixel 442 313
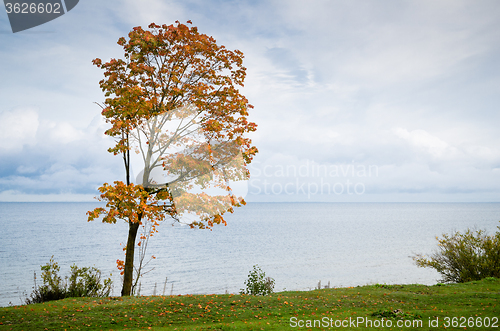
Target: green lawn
pixel 416 306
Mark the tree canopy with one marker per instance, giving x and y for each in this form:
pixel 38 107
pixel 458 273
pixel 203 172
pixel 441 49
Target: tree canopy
pixel 174 99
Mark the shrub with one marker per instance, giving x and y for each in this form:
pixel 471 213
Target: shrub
pixel 257 283
pixel 52 288
pixel 82 282
pixel 463 257
pixel 86 282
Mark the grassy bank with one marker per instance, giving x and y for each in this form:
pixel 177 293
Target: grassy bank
pixel 409 304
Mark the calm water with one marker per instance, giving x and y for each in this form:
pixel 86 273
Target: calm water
pixel 298 244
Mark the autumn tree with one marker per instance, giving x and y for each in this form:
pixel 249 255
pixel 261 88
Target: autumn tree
pixel 174 100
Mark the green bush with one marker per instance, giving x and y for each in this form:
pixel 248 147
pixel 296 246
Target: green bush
pixel 463 257
pixel 86 282
pixel 83 282
pixel 257 283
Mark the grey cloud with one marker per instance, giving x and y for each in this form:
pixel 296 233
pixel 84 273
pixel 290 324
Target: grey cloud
pixel 284 59
pixel 331 82
pixel 58 159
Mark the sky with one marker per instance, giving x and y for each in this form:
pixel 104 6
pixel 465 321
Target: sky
pixel 355 101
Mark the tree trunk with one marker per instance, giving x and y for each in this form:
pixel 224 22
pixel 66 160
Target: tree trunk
pixel 128 276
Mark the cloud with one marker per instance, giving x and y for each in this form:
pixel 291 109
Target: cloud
pixel 436 150
pixel 18 128
pixel 45 157
pixel 411 87
pixel 428 143
pixel 402 41
pixel 289 66
pixel 143 13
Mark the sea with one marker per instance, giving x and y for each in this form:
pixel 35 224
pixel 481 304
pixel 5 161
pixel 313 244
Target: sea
pixel 299 245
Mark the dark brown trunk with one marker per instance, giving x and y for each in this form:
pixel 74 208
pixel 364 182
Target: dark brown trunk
pixel 128 274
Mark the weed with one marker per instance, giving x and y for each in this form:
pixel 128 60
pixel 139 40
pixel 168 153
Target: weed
pixel 258 283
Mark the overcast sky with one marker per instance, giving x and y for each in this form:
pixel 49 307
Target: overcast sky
pixel 354 100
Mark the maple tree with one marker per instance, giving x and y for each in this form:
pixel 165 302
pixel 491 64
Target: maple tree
pixel 174 100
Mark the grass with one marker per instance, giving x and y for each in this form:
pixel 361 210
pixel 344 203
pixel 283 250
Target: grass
pixel 409 303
